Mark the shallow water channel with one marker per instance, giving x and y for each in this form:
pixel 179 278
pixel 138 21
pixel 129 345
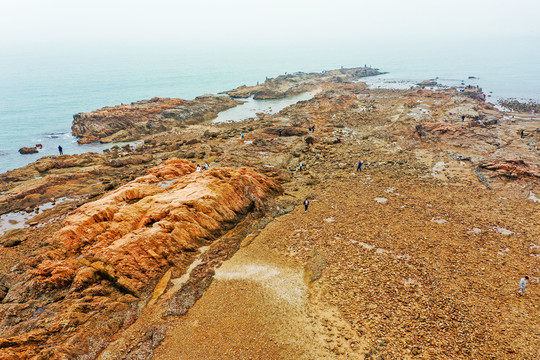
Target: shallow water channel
pixel 19 220
pixel 251 107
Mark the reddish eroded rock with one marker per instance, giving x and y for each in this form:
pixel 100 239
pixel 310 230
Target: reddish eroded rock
pixel 33 194
pixel 131 121
pixel 511 168
pixel 51 177
pixel 108 120
pixel 46 163
pixel 470 136
pixel 28 150
pixel 67 161
pixel 444 128
pixel 131 160
pixel 105 260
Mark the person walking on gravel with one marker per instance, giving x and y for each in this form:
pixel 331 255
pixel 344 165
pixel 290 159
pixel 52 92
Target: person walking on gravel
pixel 522 285
pixel 306 204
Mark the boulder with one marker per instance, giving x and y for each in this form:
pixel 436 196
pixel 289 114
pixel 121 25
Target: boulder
pixel 28 150
pixel 310 140
pixel 12 242
pixel 511 168
pixel 286 131
pixel 427 83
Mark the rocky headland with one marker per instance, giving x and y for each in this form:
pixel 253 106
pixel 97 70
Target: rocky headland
pixel 135 254
pixel 132 121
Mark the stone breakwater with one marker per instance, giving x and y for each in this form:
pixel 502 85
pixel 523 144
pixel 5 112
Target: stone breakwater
pixel 416 255
pixel 297 83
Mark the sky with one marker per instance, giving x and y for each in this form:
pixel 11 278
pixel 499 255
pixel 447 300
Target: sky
pixel 44 22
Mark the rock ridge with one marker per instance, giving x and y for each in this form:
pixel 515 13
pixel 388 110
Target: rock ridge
pixel 104 261
pixel 132 121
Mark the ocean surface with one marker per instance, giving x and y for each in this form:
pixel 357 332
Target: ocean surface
pixel 42 87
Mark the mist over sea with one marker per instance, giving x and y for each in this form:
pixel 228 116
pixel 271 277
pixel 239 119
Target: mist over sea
pixel 42 87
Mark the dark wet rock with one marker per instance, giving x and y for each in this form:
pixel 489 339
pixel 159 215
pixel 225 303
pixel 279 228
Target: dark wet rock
pixel 13 242
pixel 285 131
pixel 3 291
pixel 427 83
pixel 211 134
pixel 520 106
pixel 28 150
pixel 192 142
pixel 420 130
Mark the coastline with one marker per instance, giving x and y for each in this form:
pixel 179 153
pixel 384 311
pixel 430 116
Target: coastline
pixel 72 144
pixel 12 160
pixel 140 248
pixel 41 89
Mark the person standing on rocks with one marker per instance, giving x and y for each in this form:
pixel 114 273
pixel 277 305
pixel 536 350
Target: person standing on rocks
pixel 242 135
pixel 522 285
pixel 359 167
pixel 306 205
pixel 60 150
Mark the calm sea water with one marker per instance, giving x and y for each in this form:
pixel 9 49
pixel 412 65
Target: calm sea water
pixel 41 88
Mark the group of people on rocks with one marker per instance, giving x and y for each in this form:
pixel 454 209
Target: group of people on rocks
pixel 306 203
pixel 201 168
pixel 522 282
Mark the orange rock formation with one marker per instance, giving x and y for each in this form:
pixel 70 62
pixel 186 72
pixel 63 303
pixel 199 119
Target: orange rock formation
pixel 131 121
pixel 70 298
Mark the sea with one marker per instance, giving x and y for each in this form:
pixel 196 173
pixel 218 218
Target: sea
pixel 43 86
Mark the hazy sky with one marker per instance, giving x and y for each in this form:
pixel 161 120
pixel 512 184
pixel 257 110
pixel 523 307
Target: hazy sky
pixel 32 22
